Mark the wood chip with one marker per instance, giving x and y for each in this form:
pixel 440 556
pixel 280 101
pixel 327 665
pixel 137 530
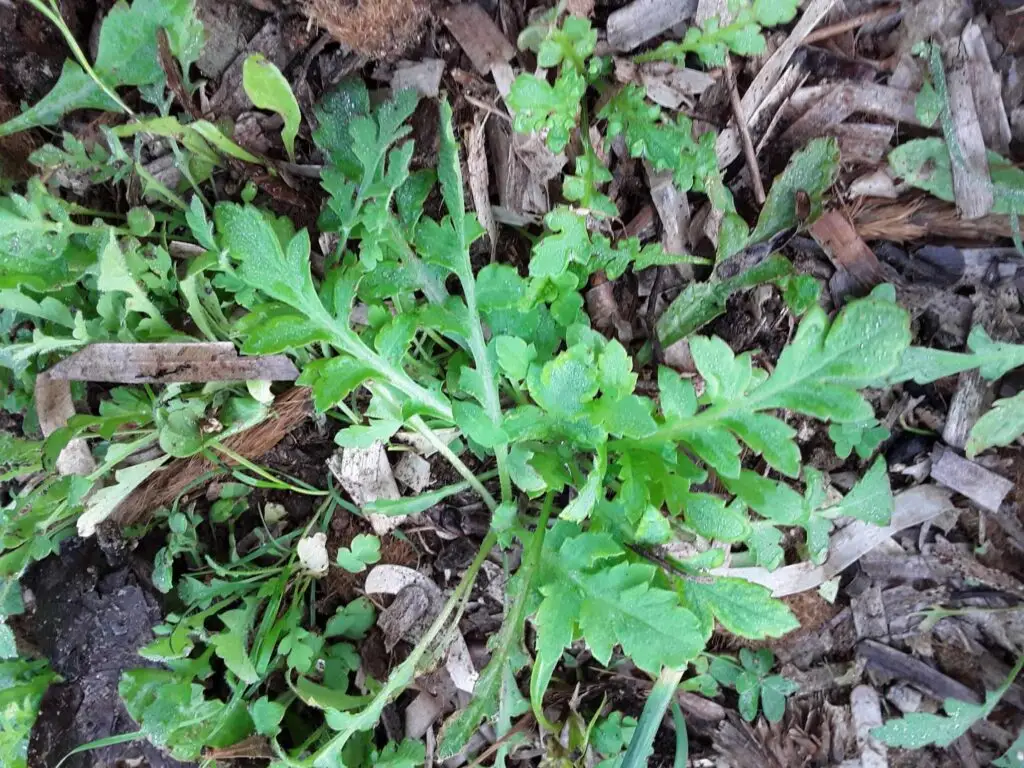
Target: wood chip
pixel 409 614
pixel 971 572
pixel 275 42
pixel 641 20
pixel 768 117
pixel 164 363
pixel 673 209
pixel 869 614
pixel 857 267
pixel 972 182
pixel 972 398
pixel 866 710
pixel 923 19
pixel 582 8
pixel 982 486
pixel 365 474
pixel 832 106
pixel 902 567
pixel 666 84
pixel 422 712
pixel 864 19
pixel 905 698
pixel 971 266
pixel 424 77
pixel 413 471
pixel 478 35
pixel 480 180
pixel 903 666
pixel 424 447
pixel 713 9
pixel 823 678
pixel 523 167
pixel 728 144
pixel 863 143
pixel 54 407
pixel 671 86
pixel 740 120
pixel 913 507
pixel 875 184
pixel 700 708
pixel 987 87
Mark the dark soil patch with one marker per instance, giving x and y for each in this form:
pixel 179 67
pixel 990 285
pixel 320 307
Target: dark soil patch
pixel 89 619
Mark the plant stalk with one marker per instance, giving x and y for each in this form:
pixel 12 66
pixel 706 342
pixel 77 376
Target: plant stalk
pixel 661 695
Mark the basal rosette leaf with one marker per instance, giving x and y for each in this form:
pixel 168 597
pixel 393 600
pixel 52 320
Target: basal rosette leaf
pixel 811 170
pixel 819 374
pixel 609 605
pixel 742 607
pixel 268 88
pixel 282 272
pixel 918 729
pixel 263 263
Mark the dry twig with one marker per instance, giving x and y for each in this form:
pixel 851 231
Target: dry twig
pixel 856 22
pixel 741 122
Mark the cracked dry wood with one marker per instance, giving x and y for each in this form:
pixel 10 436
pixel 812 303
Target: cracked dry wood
pixel 729 146
pixel 192 362
pixel 641 20
pixel 972 181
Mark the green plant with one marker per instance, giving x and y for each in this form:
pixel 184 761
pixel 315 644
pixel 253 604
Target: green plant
pixel 364 550
pixel 126 56
pixel 580 467
pixel 739 32
pixel 755 686
pixel 22 685
pixel 267 88
pixel 919 729
pixel 1000 426
pixel 554 110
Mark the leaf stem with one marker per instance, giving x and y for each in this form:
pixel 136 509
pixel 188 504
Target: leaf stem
pixel 53 14
pixel 478 348
pixel 682 739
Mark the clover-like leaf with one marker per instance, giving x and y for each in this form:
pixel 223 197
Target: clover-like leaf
pixel 364 550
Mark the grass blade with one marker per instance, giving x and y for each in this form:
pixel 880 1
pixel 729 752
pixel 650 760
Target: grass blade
pixel 642 743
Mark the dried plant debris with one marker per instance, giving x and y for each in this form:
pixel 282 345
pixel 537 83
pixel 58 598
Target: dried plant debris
pixel 373 28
